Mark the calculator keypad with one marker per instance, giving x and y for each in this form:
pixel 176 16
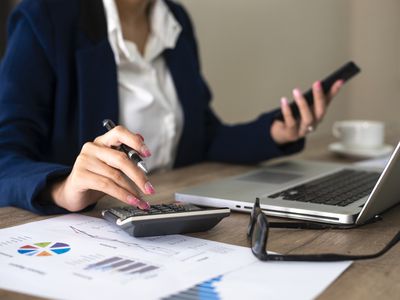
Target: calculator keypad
pixel 129 211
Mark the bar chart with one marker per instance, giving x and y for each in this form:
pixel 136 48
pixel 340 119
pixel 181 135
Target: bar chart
pixel 122 265
pixel 202 291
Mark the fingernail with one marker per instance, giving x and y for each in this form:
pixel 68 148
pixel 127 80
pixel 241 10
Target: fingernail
pixel 141 137
pixel 296 93
pixel 144 205
pixel 149 188
pixel 284 101
pixel 318 85
pixel 132 200
pixel 145 151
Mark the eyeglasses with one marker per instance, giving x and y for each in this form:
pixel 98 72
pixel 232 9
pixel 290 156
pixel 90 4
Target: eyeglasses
pixel 257 234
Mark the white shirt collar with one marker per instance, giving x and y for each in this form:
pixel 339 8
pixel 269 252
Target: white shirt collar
pixel 165 31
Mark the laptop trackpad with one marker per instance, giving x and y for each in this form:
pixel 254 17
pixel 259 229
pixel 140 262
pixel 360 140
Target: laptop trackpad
pixel 270 177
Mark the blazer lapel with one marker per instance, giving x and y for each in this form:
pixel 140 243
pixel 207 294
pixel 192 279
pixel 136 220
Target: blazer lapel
pixel 92 19
pixel 96 71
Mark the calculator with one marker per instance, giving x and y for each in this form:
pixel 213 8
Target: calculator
pixel 165 219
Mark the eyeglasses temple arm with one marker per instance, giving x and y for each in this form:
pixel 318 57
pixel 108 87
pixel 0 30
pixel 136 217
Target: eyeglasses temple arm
pixel 331 256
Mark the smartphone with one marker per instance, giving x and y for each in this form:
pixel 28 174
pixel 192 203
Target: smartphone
pixel 344 73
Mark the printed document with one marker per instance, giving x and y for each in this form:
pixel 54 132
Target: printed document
pixel 79 257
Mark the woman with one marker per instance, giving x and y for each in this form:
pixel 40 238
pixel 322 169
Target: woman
pixel 70 64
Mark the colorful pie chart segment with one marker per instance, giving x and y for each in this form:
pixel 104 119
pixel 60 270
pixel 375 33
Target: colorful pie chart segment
pixel 44 249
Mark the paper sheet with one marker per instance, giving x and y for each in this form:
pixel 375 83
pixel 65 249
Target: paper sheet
pixel 268 280
pixel 79 257
pixel 280 280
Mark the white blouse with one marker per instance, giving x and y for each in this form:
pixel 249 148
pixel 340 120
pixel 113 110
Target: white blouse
pixel 148 102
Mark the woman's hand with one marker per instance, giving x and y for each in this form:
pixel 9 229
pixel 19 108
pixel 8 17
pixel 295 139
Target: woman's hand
pixel 290 129
pixel 100 169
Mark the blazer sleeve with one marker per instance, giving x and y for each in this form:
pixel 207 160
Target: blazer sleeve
pixel 245 143
pixel 27 84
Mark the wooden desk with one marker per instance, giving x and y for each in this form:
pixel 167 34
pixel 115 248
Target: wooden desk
pixel 371 279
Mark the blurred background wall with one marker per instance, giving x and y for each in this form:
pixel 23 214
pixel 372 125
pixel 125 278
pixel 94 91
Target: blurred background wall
pixel 375 44
pixel 256 51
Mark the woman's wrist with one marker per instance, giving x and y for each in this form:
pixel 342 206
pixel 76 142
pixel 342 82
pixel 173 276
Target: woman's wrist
pixel 56 191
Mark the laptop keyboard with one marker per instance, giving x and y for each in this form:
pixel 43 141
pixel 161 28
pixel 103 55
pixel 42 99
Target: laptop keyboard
pixel 341 188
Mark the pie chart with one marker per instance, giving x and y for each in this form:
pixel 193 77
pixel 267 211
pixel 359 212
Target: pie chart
pixel 44 249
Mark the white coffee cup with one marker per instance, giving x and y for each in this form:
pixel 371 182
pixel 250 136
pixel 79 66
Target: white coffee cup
pixel 359 134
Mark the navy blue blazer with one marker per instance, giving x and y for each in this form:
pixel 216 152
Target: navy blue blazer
pixel 58 81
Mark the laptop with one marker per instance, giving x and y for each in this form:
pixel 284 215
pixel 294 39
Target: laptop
pixel 306 190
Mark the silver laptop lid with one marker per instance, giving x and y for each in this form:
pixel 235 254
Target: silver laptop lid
pixel 386 192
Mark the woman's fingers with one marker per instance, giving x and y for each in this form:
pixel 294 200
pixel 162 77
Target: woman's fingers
pixel 97 166
pixel 97 182
pixel 320 101
pixel 93 174
pixel 335 89
pixel 307 118
pixel 120 135
pixel 119 160
pixel 289 120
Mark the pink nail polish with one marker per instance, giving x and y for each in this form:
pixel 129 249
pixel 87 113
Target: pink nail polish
pixel 296 93
pixel 145 151
pixel 149 188
pixel 318 85
pixel 284 101
pixel 132 200
pixel 144 205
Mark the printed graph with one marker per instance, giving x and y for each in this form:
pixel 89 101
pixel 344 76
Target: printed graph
pixel 122 266
pixel 202 291
pixel 44 249
pixel 142 246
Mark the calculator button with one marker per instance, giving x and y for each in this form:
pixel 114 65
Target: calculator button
pixel 117 213
pixel 190 207
pixel 139 213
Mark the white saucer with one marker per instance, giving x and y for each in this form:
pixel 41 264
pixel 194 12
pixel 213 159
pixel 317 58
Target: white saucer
pixel 339 148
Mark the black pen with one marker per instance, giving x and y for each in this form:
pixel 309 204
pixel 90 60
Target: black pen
pixel 132 154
